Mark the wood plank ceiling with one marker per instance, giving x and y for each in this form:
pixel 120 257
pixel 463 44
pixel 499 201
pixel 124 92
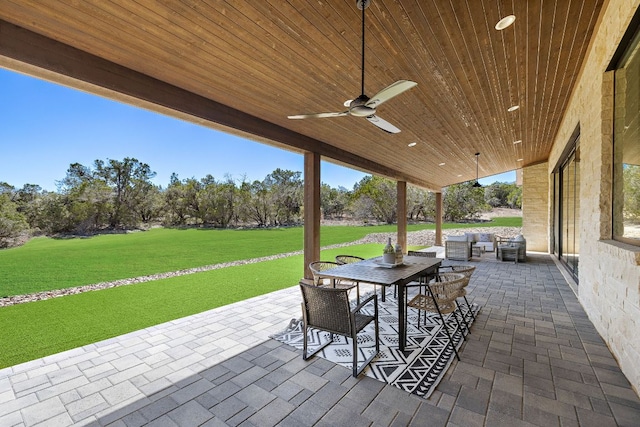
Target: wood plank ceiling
pixel 270 59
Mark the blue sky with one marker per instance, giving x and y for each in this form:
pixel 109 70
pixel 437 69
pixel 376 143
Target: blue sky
pixel 46 127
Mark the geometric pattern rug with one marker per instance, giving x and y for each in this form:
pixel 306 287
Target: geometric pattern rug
pixel 417 370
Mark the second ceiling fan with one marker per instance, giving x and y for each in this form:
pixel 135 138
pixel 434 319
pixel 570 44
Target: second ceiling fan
pixel 363 106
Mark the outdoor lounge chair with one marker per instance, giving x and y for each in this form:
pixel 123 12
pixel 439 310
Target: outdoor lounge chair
pixel 328 309
pixel 457 247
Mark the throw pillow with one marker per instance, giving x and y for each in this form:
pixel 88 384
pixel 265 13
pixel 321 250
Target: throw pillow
pixel 457 238
pixel 519 238
pixel 485 237
pixel 471 237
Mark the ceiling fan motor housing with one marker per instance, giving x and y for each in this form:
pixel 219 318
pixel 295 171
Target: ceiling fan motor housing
pixel 359 109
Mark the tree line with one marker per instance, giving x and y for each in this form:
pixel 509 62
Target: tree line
pixel 120 195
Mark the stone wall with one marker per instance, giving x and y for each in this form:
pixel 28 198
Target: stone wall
pixel 535 207
pixel 609 275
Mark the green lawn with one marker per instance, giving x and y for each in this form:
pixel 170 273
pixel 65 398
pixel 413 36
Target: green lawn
pixel 46 264
pixel 42 328
pixel 47 327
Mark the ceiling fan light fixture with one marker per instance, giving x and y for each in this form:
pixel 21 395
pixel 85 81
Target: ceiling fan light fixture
pixel 505 22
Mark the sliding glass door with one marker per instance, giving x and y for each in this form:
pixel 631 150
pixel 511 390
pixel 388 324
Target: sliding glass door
pixel 567 210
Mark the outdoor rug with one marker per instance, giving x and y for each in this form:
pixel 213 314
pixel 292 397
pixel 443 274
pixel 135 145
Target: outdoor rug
pixel 418 369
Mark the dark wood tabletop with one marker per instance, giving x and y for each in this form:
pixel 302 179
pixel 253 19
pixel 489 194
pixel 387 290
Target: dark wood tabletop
pixel 371 271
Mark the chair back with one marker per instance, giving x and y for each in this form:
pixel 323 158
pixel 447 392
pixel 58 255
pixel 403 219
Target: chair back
pixel 326 308
pixel 465 270
pixel 420 253
pixel 317 267
pixel 348 259
pixel 447 287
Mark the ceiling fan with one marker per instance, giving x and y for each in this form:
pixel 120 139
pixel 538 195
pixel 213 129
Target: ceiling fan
pixel 363 106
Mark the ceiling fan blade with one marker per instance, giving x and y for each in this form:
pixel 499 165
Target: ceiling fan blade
pixel 389 92
pixel 318 115
pixel 383 124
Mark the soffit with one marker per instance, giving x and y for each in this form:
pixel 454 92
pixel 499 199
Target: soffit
pixel 270 59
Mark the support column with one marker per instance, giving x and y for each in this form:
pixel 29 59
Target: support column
pixel 402 215
pixel 438 219
pixel 311 211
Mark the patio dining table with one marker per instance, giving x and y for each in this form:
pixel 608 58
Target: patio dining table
pixel 371 271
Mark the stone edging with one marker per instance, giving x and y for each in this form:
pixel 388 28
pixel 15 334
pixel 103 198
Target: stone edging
pixel 422 237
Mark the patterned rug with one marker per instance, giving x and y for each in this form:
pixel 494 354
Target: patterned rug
pixel 418 369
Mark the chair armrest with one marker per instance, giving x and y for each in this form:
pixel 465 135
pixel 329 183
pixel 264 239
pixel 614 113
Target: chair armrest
pixel 364 302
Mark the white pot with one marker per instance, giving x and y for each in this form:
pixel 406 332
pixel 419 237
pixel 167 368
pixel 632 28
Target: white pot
pixel 389 258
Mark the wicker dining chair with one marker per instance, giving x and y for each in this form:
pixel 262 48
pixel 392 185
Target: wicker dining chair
pixel 440 298
pixel 328 309
pixel 350 259
pixel 317 267
pixel 428 254
pixel 423 279
pixel 467 271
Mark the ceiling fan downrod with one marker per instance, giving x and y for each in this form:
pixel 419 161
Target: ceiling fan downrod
pixel 362 5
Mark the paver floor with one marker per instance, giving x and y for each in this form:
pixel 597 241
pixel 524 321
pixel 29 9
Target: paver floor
pixel 533 359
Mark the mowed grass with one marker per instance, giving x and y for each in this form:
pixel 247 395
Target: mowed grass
pixel 47 264
pixel 42 328
pixel 33 330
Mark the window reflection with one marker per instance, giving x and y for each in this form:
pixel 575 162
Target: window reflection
pixel 626 160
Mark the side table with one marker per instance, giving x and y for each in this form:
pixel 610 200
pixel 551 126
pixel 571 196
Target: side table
pixel 507 251
pixel 477 251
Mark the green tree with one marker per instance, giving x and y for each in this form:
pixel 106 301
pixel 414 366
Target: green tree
pixel 12 223
pixel 375 197
pixel 420 203
pixel 333 201
pixel 258 207
pixel 503 194
pixel 217 200
pixel 631 188
pixel 286 191
pixel 462 201
pixel 130 181
pixel 176 209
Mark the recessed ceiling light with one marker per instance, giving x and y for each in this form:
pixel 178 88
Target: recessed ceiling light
pixel 513 108
pixel 413 144
pixel 459 176
pixel 517 142
pixel 441 164
pixel 505 22
pixel 519 160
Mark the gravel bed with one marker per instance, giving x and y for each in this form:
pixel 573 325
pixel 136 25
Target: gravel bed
pixel 422 237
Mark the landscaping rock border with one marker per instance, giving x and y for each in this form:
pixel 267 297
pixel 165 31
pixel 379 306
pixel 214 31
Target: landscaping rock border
pixel 422 237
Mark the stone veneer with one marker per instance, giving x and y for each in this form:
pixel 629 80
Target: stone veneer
pixel 535 207
pixel 609 276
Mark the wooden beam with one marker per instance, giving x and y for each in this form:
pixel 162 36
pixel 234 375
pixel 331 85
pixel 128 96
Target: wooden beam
pixel 438 219
pixel 402 215
pixel 30 53
pixel 311 211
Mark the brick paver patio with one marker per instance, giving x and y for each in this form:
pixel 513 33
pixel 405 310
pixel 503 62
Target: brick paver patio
pixel 533 359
